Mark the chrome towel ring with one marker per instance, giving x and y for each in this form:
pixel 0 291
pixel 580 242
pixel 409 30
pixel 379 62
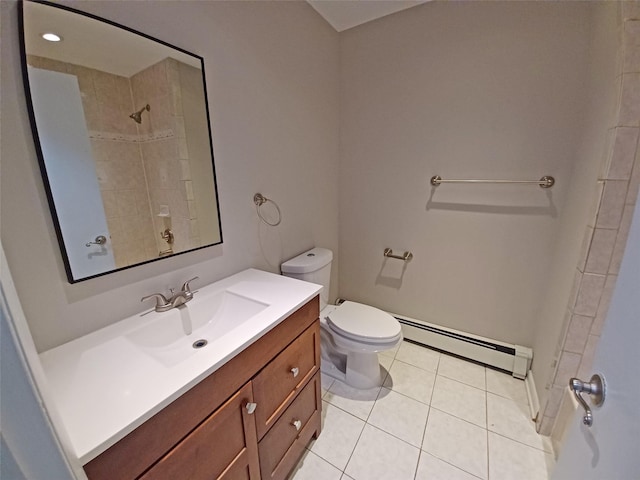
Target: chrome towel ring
pixel 260 200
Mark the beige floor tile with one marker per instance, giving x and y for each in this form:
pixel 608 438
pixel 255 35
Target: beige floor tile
pixel 463 401
pixel 340 433
pixel 462 371
pixel 512 420
pixel 509 459
pixel 432 468
pixel 411 381
pixel 401 416
pixel 506 386
pixel 381 456
pixel 312 467
pixel 355 401
pixel 457 442
pixel 418 356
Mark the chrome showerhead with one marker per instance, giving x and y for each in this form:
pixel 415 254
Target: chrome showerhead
pixel 137 116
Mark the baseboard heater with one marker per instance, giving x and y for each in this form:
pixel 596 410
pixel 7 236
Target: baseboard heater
pixel 514 359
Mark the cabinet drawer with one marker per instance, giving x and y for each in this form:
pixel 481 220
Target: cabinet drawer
pixel 277 384
pixel 283 445
pixel 222 447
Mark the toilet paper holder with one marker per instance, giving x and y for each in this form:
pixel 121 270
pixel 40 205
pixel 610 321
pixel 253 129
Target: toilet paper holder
pixel 406 256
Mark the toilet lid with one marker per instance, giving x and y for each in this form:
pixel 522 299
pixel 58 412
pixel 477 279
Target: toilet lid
pixel 357 321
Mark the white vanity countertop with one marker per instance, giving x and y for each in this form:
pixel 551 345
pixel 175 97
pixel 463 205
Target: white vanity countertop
pixel 104 386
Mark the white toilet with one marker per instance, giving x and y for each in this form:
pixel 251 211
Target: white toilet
pixel 352 334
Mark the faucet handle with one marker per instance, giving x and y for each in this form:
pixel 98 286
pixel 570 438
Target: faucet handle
pixel 185 285
pixel 161 300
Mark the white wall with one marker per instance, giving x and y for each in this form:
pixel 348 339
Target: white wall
pixel 581 204
pixel 272 78
pixel 463 90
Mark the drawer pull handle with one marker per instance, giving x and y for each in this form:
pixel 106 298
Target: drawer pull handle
pixel 297 424
pixel 251 407
pixel 295 371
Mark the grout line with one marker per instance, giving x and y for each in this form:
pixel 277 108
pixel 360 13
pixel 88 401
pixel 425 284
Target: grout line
pixel 415 366
pixel 422 452
pixel 452 464
pixel 344 472
pixel 521 443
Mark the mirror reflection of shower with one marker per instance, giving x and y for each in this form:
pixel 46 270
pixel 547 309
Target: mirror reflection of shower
pixel 137 116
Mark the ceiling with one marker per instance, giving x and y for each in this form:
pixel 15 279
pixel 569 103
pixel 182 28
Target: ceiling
pixel 345 14
pixel 93 43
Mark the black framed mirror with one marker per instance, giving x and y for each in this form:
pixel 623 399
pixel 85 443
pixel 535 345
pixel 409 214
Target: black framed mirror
pixel 122 130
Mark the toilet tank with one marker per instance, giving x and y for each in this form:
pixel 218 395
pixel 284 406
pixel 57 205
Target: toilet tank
pixel 313 266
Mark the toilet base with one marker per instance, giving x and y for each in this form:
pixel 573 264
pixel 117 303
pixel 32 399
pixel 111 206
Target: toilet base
pixel 362 370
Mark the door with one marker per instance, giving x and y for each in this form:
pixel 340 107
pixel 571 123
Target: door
pixel 71 170
pixel 610 448
pixel 224 446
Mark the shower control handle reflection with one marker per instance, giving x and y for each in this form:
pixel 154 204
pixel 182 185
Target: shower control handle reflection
pixel 99 240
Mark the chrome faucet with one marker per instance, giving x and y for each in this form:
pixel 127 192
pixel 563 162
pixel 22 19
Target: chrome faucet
pixel 164 304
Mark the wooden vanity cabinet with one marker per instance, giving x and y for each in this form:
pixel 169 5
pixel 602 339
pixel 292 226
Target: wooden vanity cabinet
pixel 210 433
pixel 223 446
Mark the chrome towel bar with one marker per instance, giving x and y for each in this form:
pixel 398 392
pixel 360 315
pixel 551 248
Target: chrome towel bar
pixel 406 256
pixel 545 182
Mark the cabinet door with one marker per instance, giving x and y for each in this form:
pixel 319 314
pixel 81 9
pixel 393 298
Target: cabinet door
pixel 224 446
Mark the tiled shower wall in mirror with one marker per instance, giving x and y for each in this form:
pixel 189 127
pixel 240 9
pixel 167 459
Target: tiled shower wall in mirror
pixel 140 167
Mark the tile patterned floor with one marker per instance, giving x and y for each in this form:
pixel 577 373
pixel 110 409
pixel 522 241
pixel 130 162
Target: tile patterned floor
pixel 436 417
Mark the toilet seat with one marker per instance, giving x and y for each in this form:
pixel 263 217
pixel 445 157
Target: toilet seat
pixel 364 323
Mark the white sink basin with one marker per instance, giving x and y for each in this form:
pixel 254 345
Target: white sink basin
pixel 170 338
pixel 107 383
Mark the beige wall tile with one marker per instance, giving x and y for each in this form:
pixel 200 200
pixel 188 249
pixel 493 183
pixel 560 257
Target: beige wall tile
pixel 161 115
pixel 623 153
pixel 179 129
pixel 193 213
pixel 584 248
pixel 629 114
pixel 183 150
pixel 631 49
pixel 194 230
pixel 188 189
pixel 555 398
pixel 567 368
pixel 142 202
pixel 122 92
pixel 621 239
pixel 105 87
pixel 597 200
pixel 612 204
pixel 575 289
pixel 115 231
pixel 91 111
pixel 110 203
pixel 584 371
pixel 100 150
pixel 600 251
pixel 47 64
pixel 579 329
pixel 589 294
pixel 85 79
pixel 603 307
pixel 127 203
pixel 185 170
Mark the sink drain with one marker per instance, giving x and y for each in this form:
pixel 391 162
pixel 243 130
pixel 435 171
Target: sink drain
pixel 199 343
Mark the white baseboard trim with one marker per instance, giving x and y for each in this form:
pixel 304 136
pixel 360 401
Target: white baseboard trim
pixel 532 394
